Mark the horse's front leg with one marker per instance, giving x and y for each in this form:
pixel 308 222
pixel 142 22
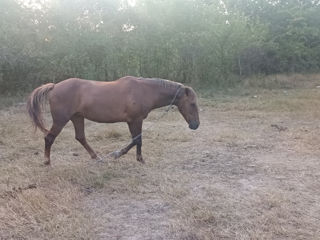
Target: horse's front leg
pixel 135 128
pixel 139 145
pixel 136 133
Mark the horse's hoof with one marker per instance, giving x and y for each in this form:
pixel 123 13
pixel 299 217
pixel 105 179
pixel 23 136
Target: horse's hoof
pixel 140 159
pixel 115 154
pixel 46 163
pixel 99 159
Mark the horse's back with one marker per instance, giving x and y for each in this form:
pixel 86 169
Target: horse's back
pixel 97 101
pixel 114 101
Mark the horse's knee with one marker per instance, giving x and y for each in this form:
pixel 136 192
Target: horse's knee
pixel 49 139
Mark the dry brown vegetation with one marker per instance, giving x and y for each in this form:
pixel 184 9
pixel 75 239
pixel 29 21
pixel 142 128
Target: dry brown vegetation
pixel 251 171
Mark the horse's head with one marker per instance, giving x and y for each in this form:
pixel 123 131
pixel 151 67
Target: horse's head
pixel 188 107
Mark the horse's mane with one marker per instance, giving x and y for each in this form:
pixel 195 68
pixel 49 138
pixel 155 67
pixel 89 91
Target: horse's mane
pixel 162 82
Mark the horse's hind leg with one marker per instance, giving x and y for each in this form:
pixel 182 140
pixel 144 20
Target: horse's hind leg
pixel 78 123
pixel 49 139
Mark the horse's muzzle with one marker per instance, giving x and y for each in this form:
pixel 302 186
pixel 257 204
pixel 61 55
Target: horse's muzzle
pixel 193 125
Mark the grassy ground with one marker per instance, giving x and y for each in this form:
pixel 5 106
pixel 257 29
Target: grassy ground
pixel 251 171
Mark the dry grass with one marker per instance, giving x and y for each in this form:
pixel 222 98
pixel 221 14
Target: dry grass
pixel 237 177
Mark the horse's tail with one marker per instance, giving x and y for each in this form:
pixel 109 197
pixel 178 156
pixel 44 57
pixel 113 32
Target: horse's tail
pixel 34 104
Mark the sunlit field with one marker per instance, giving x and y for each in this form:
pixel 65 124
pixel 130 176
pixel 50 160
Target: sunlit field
pixel 251 171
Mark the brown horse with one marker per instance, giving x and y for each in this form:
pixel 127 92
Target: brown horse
pixel 128 99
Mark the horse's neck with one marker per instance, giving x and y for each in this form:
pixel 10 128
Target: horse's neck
pixel 165 96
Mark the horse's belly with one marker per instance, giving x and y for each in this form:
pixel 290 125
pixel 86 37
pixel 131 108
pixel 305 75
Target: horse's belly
pixel 104 119
pixel 104 114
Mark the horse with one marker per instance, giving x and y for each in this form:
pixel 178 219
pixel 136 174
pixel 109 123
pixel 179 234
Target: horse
pixel 128 99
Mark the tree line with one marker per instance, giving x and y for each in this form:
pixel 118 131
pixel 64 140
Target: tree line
pixel 209 42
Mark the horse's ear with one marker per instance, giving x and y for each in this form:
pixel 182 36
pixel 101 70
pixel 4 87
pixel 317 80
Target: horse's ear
pixel 187 91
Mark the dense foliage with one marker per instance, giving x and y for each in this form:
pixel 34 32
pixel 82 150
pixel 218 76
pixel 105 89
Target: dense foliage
pixel 200 41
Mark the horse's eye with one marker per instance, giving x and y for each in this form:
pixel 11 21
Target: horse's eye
pixel 193 105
